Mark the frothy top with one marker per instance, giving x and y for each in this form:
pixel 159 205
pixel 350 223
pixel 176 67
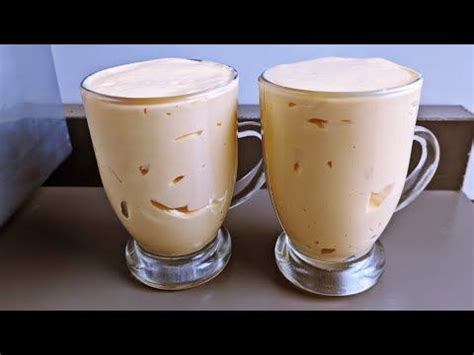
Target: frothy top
pixel 159 78
pixel 335 74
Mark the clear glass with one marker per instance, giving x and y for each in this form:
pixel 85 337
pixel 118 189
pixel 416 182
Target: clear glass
pixel 168 166
pixel 336 167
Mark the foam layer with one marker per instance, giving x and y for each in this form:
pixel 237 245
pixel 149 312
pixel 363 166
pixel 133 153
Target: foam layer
pixel 159 78
pixel 341 74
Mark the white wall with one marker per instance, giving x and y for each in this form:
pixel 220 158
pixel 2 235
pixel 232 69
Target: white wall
pixel 448 70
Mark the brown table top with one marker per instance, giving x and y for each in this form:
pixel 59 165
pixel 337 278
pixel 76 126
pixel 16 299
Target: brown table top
pixel 65 250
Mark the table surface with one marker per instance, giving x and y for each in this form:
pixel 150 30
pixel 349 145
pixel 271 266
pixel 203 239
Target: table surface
pixel 65 250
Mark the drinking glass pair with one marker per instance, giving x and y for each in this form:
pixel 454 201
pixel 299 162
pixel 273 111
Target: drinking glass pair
pixel 335 165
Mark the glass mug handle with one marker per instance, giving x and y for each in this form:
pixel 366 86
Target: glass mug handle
pixel 424 170
pixel 257 171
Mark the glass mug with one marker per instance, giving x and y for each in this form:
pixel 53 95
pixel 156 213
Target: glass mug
pixel 336 166
pixel 168 166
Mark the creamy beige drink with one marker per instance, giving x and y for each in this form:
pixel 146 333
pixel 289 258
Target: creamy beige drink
pixel 337 149
pixel 165 138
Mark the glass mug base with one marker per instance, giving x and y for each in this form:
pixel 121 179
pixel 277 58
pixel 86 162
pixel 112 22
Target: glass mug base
pixel 179 273
pixel 329 279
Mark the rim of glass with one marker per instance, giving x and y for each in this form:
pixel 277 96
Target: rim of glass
pixel 235 76
pixel 384 91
